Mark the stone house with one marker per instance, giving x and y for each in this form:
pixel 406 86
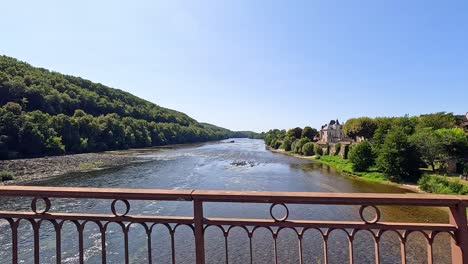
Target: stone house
pixel 331 133
pixel 464 122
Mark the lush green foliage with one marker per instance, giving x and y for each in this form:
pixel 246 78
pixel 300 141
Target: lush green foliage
pixel 309 133
pixel 442 185
pixel 436 121
pixel 346 166
pixel 298 144
pixel 294 133
pixel 287 144
pixel 360 127
pixel 6 176
pixel 308 149
pixel 398 159
pixel 400 146
pixel 48 113
pixel 361 156
pixel 318 150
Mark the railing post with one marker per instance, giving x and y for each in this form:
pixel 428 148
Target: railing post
pixel 199 236
pixel 460 245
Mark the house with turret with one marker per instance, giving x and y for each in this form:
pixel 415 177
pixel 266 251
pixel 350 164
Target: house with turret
pixel 331 133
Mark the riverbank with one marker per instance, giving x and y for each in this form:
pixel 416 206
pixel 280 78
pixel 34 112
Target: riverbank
pixel 31 169
pixel 25 170
pixel 344 167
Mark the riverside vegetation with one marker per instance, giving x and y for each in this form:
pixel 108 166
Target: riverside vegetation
pixel 48 113
pixel 409 149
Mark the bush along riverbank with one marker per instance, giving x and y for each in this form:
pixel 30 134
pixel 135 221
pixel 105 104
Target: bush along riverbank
pixel 400 150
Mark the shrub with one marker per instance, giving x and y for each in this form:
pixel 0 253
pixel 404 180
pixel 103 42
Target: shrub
pixel 276 143
pixel 298 144
pixel 7 175
pixel 318 150
pixel 361 156
pixel 308 149
pixel 441 185
pixel 286 145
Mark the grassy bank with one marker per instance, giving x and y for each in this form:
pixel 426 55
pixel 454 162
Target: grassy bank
pixel 434 183
pixel 345 166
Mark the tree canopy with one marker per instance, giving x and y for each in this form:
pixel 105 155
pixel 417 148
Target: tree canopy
pixel 48 113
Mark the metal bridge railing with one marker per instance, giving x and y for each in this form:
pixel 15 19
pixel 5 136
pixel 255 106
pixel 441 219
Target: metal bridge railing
pixel 42 199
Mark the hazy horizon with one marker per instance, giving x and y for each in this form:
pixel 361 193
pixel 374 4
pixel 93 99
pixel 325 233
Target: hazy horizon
pixel 256 65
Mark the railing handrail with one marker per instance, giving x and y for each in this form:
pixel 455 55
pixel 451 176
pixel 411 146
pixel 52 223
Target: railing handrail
pixel 457 227
pixel 236 196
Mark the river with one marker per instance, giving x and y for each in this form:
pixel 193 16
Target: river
pixel 220 166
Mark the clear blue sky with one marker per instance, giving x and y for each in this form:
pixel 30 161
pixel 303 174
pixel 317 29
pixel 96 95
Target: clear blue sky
pixel 256 65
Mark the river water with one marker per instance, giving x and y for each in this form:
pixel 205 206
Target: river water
pixel 243 165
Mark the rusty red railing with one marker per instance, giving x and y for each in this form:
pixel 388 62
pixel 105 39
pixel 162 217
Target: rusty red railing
pixel 42 210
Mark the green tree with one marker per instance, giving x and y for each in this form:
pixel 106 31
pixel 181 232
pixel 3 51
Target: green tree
pixel 286 144
pixel 298 144
pixel 308 149
pixel 309 133
pixel 360 127
pixel 54 146
pixel 436 121
pixel 361 156
pixel 454 142
pixel 398 158
pixel 294 133
pixel 429 145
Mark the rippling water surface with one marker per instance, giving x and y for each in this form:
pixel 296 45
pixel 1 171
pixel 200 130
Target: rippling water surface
pixel 243 165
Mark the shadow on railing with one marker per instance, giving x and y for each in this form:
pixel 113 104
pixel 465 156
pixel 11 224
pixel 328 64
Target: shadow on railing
pixel 197 224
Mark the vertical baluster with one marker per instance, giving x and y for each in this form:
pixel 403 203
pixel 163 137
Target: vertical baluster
pixel 325 248
pixel 80 241
pixel 199 236
pixel 250 248
pixel 377 251
pixel 351 250
pixel 125 230
pixel 403 250
pixel 58 243
pixel 430 257
pixel 300 248
pixel 275 246
pixel 226 247
pixel 150 255
pixel 35 226
pixel 103 244
pixel 172 246
pixel 14 241
pixel 459 245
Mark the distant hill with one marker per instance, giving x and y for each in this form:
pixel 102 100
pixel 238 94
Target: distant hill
pixel 48 113
pixel 234 134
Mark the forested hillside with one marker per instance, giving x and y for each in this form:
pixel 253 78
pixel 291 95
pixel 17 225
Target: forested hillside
pixel 48 113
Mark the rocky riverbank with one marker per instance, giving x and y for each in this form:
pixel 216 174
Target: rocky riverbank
pixel 25 170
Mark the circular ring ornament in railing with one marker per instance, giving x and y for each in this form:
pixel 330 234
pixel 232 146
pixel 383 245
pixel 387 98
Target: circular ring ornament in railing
pixel 114 210
pixel 282 219
pixel 40 211
pixel 375 219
